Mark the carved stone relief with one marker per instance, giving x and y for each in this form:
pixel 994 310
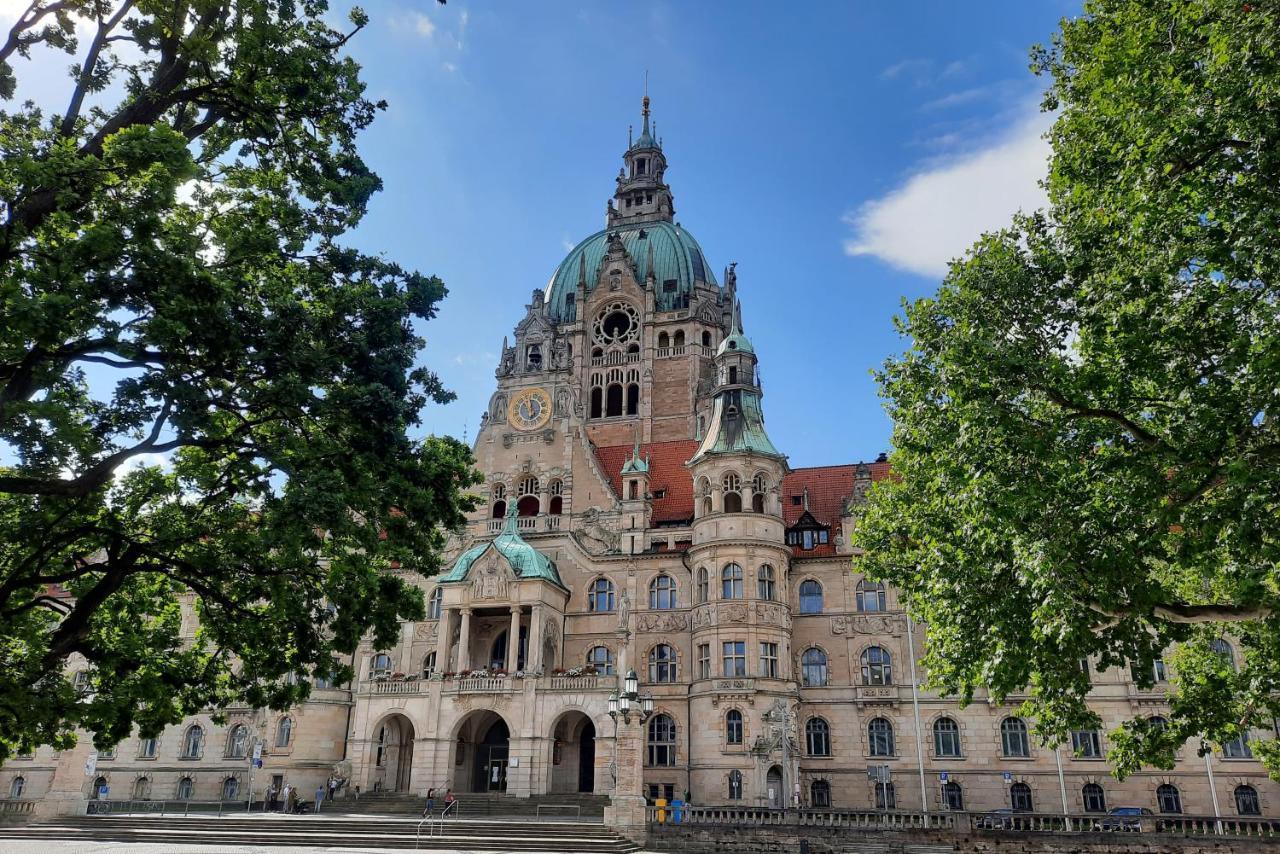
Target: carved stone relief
pixel 866 624
pixel 662 623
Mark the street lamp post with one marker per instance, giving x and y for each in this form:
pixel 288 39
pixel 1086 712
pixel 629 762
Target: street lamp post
pixel 623 705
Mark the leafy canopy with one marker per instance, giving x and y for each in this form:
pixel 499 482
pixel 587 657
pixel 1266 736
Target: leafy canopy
pixel 1087 422
pixel 173 288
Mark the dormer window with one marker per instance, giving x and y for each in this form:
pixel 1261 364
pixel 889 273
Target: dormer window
pixel 807 532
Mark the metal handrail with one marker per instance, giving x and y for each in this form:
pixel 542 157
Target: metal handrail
pixel 432 821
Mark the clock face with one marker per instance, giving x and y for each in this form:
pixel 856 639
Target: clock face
pixel 529 409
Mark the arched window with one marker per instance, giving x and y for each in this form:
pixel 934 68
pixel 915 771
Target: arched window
pixel 870 596
pixel 600 595
pixel 380 665
pixel 662 663
pixel 952 795
pixel 597 397
pixel 733 727
pixel 886 796
pixel 731 486
pixel 662 741
pixel 556 490
pixel 759 488
pixel 633 399
pixel 735 785
pixel 1223 648
pixel 704 584
pixel 877 667
pixel 1168 799
pixel 1020 797
pixel 706 339
pixel 817 737
pixel 499 501
pixel 731 582
pixel 147 748
pixel 601 659
pixel 99 783
pixel 193 743
pixel 1013 737
pixel 16 787
pixel 1247 802
pixel 230 789
pixel 1095 800
pixel 813 668
pixel 663 341
pixel 284 732
pixel 678 340
pixel 662 593
pixel 527 506
pixel 238 742
pixel 141 789
pixel 435 604
pixel 820 794
pixel 429 665
pixel 766 583
pixel 186 788
pixel 880 737
pixel 1157 723
pixel 810 597
pixel 946 737
pixel 613 400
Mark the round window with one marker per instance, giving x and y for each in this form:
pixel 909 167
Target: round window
pixel 616 323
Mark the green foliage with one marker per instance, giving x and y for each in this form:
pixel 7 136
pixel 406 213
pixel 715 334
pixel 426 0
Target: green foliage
pixel 1086 432
pixel 172 283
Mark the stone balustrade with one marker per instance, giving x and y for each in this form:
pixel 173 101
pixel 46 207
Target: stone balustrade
pixel 966 822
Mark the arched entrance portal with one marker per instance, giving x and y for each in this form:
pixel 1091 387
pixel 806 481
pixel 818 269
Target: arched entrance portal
pixel 773 787
pixel 480 753
pixel 392 754
pixel 573 757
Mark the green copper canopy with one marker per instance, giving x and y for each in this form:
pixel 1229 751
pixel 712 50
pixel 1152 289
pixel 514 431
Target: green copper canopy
pixel 525 561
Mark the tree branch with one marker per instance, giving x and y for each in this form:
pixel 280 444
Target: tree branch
pixel 28 19
pixel 86 69
pixel 1176 612
pixel 1079 410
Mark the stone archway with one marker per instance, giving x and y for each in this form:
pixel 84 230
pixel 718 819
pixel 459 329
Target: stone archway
pixel 773 788
pixel 573 756
pixel 481 749
pixel 391 749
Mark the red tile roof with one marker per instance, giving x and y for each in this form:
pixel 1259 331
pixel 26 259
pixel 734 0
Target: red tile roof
pixel 829 489
pixel 666 472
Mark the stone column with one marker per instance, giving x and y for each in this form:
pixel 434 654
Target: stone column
pixel 464 641
pixel 513 640
pixel 444 630
pixel 533 662
pixel 626 809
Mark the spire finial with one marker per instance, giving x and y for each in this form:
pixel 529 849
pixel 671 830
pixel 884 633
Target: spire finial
pixel 645 102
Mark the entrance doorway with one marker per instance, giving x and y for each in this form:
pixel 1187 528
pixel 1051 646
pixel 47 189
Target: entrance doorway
pixel 392 754
pixel 491 759
pixel 773 788
pixel 573 757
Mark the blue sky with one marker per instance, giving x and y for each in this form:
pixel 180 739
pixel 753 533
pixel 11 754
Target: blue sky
pixel 839 152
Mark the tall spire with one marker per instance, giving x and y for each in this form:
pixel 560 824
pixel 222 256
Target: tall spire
pixel 644 104
pixel 642 194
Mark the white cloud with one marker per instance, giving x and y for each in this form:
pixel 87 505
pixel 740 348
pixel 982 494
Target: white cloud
pixel 422 25
pixel 906 68
pixel 449 66
pixel 939 212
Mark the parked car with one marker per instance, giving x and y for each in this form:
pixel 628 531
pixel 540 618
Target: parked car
pixel 1124 818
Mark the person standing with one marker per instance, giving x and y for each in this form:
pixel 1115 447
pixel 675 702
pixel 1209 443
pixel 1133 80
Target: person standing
pixel 431 803
pixel 319 797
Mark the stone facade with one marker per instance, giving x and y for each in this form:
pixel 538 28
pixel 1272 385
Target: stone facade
pixel 650 524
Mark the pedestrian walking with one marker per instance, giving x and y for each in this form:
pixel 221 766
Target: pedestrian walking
pixel 319 797
pixel 431 803
pixel 290 798
pixel 448 799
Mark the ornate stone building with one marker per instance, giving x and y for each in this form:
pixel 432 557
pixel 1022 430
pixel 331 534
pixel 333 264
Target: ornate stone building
pixel 637 515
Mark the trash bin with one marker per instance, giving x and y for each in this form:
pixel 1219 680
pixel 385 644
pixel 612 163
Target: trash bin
pixel 677 811
pixel 661 804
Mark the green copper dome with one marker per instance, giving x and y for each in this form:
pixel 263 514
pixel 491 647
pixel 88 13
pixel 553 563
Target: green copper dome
pixel 525 561
pixel 735 343
pixel 677 258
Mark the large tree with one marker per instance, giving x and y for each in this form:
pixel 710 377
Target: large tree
pixel 1087 419
pixel 174 290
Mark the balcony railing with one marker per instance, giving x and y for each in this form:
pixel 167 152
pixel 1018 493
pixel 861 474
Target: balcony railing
pixel 530 524
pixel 395 686
pixel 575 683
pixel 481 685
pixel 615 359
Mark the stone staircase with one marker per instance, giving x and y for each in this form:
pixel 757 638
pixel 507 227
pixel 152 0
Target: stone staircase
pixel 318 832
pixel 570 807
